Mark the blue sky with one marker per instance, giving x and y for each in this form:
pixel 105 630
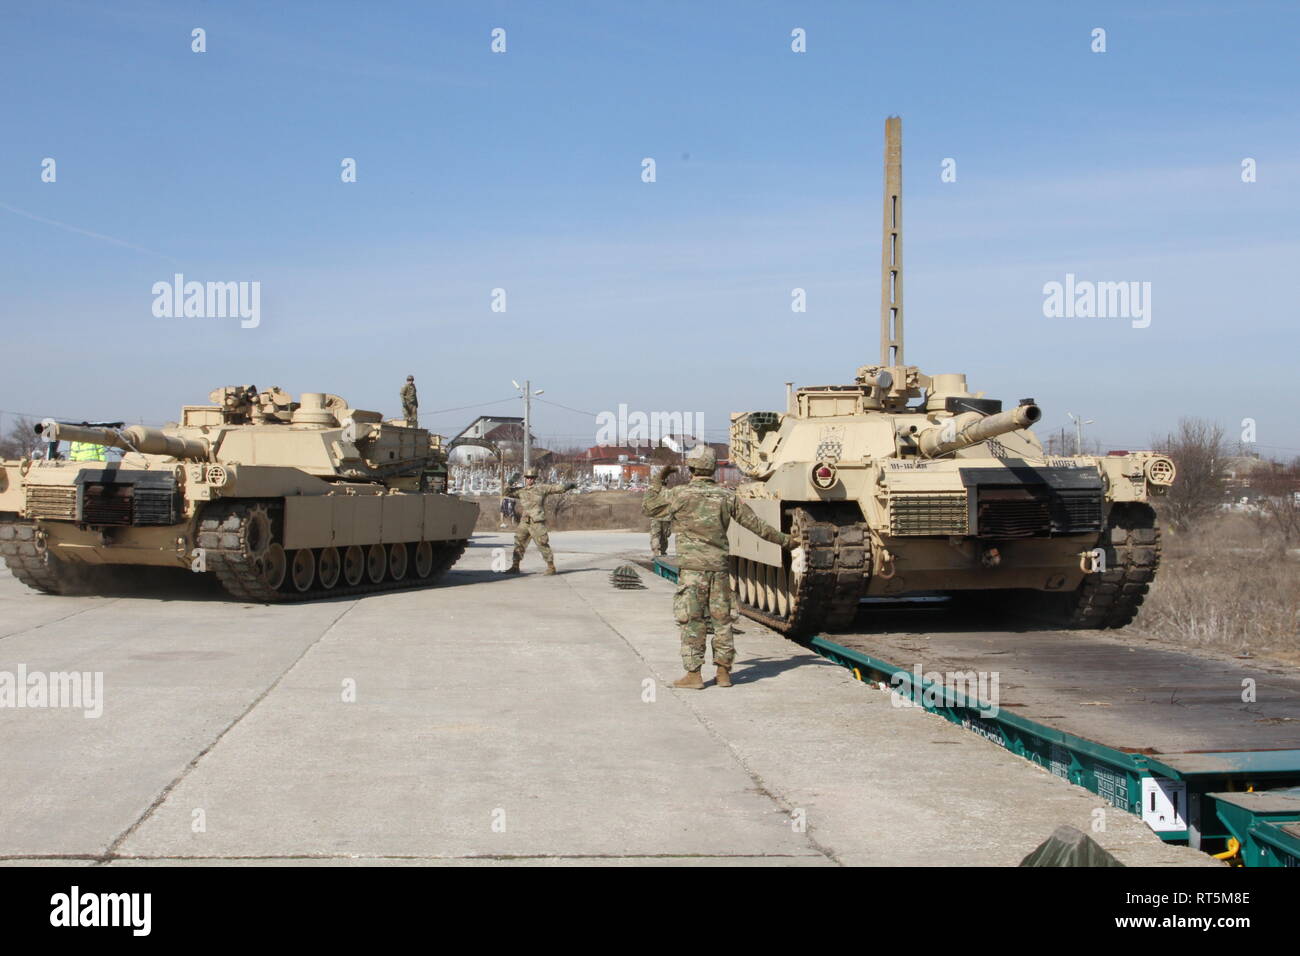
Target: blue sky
pixel 522 171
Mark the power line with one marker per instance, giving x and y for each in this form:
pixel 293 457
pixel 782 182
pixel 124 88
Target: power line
pixel 461 408
pixel 578 411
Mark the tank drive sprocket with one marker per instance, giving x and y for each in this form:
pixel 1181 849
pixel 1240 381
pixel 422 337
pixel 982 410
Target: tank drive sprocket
pixel 1111 598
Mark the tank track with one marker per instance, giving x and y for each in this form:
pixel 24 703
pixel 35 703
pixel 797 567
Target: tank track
pixel 29 562
pixel 1111 598
pixel 838 566
pixel 224 532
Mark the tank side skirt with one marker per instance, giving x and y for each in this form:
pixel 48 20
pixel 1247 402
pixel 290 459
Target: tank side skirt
pixel 223 530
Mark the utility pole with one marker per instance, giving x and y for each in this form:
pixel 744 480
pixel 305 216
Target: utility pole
pixel 527 389
pixel 1078 431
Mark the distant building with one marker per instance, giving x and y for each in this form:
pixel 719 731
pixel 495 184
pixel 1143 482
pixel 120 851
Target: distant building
pixel 504 431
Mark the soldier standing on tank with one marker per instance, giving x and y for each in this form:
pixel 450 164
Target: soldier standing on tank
pixel 700 512
pixel 532 517
pixel 410 402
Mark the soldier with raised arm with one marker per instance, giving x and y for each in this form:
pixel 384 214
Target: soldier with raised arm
pixel 532 517
pixel 700 512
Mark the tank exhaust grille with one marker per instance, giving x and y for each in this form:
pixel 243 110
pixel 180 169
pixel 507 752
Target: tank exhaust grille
pixel 928 514
pixel 106 504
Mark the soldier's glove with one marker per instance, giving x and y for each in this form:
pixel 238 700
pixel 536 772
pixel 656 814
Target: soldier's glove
pixel 798 561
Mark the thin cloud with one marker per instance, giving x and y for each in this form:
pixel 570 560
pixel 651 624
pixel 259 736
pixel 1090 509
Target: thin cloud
pixel 86 232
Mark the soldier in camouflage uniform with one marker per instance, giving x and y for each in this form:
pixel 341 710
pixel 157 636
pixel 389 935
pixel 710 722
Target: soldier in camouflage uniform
pixel 410 402
pixel 532 517
pixel 700 512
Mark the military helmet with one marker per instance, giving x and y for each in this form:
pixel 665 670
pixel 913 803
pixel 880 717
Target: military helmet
pixel 410 378
pixel 531 473
pixel 702 460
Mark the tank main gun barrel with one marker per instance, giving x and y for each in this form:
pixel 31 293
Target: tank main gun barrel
pixel 148 441
pixel 971 428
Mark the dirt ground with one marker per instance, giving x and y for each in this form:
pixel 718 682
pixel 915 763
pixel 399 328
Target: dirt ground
pixel 594 511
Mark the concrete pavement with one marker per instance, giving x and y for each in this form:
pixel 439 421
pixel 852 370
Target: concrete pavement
pixel 494 718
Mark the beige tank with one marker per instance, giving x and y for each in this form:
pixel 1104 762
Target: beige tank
pixel 280 499
pixel 902 484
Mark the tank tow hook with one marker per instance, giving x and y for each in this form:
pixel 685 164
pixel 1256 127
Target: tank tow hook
pixel 1092 562
pixel 886 565
pixel 990 557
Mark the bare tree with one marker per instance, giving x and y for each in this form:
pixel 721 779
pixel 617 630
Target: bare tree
pixel 1198 449
pixel 21 439
pixel 1279 503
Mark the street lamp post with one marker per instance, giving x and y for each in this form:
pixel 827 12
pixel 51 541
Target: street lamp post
pixel 1078 431
pixel 528 393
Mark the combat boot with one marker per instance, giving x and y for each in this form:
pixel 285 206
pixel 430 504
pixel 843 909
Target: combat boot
pixel 690 680
pixel 723 678
pixel 550 568
pixel 514 568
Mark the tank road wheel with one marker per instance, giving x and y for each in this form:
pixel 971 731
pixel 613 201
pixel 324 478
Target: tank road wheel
pixel 376 563
pixel 303 571
pixel 1111 598
pixel 25 554
pixel 423 560
pixel 397 561
pixel 329 565
pixel 274 565
pixel 782 591
pixel 354 566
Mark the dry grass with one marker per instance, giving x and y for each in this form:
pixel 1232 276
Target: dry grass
pixel 594 511
pixel 1228 588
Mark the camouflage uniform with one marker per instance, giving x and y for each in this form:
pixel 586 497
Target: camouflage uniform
pixel 531 510
pixel 700 513
pixel 660 529
pixel 410 402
